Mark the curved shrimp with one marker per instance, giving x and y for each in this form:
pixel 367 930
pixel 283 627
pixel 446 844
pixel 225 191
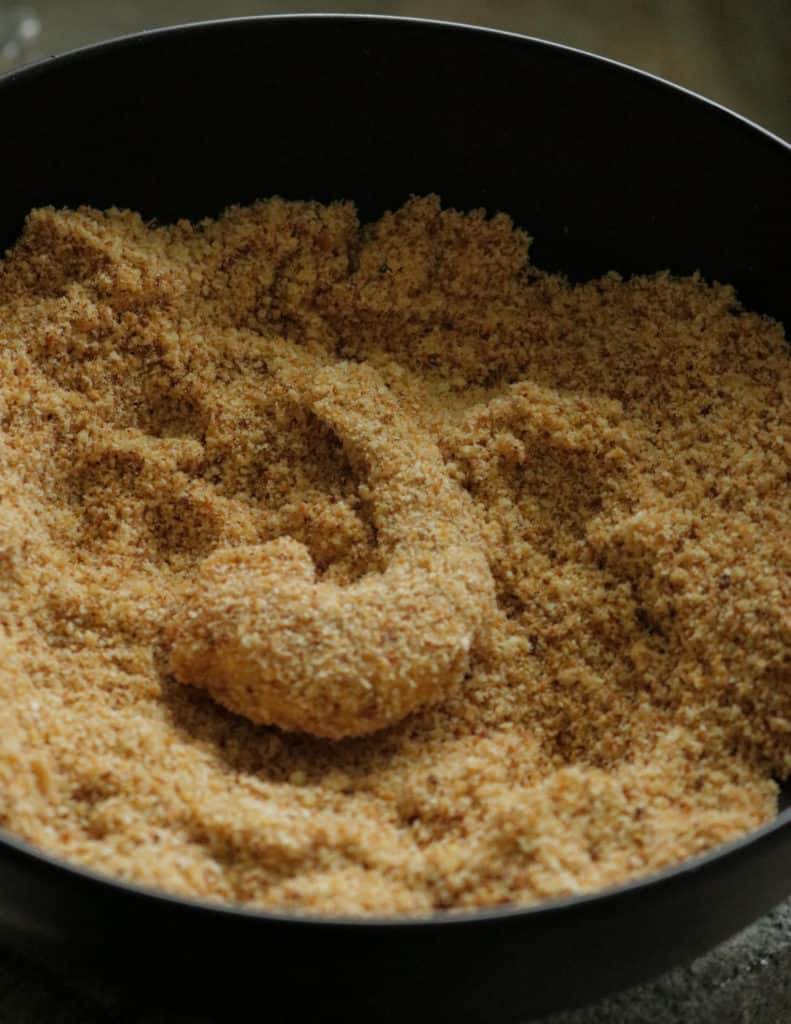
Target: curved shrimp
pixel 271 642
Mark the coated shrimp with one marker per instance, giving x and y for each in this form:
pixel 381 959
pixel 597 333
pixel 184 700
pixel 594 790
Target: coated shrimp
pixel 269 641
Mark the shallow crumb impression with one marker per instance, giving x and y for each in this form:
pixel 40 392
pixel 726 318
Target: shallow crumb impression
pixel 625 450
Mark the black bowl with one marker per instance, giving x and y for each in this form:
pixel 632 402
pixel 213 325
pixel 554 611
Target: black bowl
pixel 610 169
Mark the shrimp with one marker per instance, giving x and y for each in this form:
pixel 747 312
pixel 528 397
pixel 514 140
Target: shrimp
pixel 271 642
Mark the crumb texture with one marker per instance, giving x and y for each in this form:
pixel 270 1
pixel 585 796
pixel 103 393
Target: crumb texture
pixel 564 509
pixel 268 641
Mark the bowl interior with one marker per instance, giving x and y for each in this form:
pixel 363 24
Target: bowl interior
pixel 607 168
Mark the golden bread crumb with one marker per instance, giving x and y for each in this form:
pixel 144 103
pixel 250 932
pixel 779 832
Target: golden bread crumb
pixel 604 568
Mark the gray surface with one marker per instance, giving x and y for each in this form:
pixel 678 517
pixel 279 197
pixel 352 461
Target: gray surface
pixel 745 981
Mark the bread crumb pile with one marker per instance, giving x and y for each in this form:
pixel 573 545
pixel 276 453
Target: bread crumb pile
pixel 626 450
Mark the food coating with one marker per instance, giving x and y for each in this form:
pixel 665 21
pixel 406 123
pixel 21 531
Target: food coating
pixel 625 447
pixel 272 643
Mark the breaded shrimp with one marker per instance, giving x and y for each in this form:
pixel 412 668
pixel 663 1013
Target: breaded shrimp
pixel 271 642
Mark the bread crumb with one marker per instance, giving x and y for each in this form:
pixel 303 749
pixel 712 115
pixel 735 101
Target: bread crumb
pixel 625 451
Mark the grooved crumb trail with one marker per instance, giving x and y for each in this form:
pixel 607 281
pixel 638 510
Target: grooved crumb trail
pixel 623 451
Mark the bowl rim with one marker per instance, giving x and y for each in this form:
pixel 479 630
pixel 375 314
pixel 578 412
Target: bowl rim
pixel 10 842
pixel 549 908
pixel 128 39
